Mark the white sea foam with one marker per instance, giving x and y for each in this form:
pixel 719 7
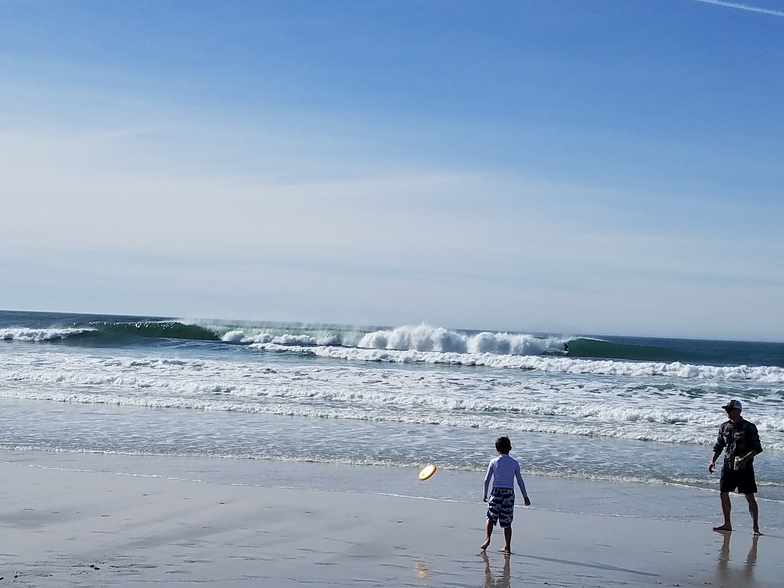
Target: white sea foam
pixel 409 412
pixel 610 407
pixel 425 338
pixel 405 338
pixel 39 335
pixel 561 365
pixel 284 340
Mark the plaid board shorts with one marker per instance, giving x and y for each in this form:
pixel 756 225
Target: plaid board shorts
pixel 500 506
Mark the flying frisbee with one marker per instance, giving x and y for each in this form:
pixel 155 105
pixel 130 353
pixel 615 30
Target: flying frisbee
pixel 427 472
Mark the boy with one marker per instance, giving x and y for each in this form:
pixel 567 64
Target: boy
pixel 503 470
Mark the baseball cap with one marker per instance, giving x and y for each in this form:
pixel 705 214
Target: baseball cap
pixel 733 404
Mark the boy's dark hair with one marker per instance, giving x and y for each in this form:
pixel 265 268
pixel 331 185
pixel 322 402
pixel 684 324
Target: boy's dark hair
pixel 503 444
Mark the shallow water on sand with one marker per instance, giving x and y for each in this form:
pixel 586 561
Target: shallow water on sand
pixel 614 499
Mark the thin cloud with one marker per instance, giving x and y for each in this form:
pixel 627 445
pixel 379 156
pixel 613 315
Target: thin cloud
pixel 743 7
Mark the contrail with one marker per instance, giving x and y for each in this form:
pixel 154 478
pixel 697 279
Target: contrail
pixel 742 7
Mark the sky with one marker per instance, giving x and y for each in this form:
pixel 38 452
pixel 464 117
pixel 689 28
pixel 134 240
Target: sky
pixel 559 166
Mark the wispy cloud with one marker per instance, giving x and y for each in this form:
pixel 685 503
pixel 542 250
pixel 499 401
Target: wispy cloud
pixel 743 7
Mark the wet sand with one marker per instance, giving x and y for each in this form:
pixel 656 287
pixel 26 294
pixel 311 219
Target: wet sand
pixel 84 528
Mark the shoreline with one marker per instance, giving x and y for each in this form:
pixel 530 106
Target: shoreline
pixel 66 528
pixel 671 502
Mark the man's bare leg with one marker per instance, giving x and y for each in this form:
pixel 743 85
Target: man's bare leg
pixel 726 509
pixel 754 512
pixel 488 532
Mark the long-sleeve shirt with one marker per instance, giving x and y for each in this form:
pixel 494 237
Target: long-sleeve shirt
pixel 737 439
pixel 503 470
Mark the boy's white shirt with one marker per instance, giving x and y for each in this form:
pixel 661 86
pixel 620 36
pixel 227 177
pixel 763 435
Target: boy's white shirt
pixel 503 470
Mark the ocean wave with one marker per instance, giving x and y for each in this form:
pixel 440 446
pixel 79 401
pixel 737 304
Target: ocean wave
pixel 41 335
pixel 562 365
pixel 165 329
pixel 284 340
pixel 404 338
pixel 580 420
pixel 427 338
pixel 112 332
pixel 407 343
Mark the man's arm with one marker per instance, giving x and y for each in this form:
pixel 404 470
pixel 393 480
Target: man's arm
pixel 718 447
pixel 754 442
pixel 714 457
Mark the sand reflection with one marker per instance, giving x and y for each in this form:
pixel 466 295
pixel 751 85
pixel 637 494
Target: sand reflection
pixel 498 579
pixel 736 575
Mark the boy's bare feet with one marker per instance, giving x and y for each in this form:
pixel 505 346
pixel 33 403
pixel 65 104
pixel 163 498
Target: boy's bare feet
pixel 484 545
pixel 757 533
pixel 506 550
pixel 723 528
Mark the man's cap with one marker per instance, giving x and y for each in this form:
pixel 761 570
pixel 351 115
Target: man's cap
pixel 733 404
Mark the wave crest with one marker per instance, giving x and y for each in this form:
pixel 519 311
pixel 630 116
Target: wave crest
pixel 40 335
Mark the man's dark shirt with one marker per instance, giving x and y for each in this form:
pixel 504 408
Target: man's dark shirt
pixel 738 439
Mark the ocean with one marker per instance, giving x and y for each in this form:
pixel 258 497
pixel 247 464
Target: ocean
pixel 618 426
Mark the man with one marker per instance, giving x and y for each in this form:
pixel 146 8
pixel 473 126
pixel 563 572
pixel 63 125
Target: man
pixel 740 439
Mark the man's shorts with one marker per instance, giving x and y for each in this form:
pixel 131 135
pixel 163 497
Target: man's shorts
pixel 500 507
pixel 742 479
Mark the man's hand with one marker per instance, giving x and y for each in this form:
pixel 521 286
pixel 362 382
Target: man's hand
pixel 527 501
pixel 711 466
pixel 484 498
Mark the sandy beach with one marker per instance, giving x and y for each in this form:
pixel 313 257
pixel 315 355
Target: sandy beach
pixel 84 528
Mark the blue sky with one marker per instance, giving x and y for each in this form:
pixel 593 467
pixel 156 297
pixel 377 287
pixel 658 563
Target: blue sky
pixel 568 166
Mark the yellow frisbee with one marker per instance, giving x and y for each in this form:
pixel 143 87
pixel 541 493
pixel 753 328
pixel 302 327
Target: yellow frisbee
pixel 427 471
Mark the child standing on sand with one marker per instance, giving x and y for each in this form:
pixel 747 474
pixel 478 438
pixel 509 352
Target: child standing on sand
pixel 503 470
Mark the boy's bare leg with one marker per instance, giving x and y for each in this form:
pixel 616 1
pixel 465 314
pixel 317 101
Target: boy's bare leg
pixel 726 509
pixel 488 532
pixel 508 540
pixel 754 511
